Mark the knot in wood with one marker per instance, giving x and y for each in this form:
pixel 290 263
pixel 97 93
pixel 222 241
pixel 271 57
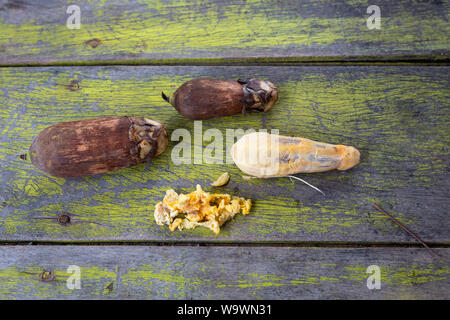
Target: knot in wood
pixel 74 85
pixel 47 275
pixel 64 219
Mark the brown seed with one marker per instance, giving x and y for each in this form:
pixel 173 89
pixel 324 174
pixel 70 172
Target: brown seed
pixel 205 98
pixel 93 146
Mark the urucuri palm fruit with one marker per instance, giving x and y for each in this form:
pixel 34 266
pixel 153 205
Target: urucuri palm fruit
pixel 205 98
pixel 93 146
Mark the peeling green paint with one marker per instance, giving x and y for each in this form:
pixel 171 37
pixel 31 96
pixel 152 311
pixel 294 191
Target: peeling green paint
pixel 402 276
pixel 200 272
pixel 25 280
pixel 161 29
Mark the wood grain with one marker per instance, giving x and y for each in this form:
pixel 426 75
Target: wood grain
pixel 217 31
pixel 118 272
pixel 396 116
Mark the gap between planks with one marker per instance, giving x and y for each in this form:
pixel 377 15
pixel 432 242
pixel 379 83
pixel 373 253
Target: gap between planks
pixel 300 61
pixel 299 244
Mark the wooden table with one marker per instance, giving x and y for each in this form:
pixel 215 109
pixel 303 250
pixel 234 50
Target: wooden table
pixel 385 91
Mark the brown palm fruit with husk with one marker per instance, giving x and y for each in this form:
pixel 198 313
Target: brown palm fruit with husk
pixel 205 98
pixel 93 146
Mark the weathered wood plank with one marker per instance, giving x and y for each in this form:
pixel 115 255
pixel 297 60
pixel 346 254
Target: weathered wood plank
pixel 221 273
pixel 396 116
pixel 160 31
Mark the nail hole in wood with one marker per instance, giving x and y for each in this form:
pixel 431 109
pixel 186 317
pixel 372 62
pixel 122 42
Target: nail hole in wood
pixel 74 85
pixel 110 287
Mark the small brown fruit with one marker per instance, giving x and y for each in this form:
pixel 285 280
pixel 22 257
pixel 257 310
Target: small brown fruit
pixel 93 146
pixel 205 98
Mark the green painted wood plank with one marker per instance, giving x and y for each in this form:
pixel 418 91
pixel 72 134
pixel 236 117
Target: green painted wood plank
pixel 396 116
pixel 119 272
pixel 192 31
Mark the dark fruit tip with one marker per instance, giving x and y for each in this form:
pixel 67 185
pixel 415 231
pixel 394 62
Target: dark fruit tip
pixel 163 95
